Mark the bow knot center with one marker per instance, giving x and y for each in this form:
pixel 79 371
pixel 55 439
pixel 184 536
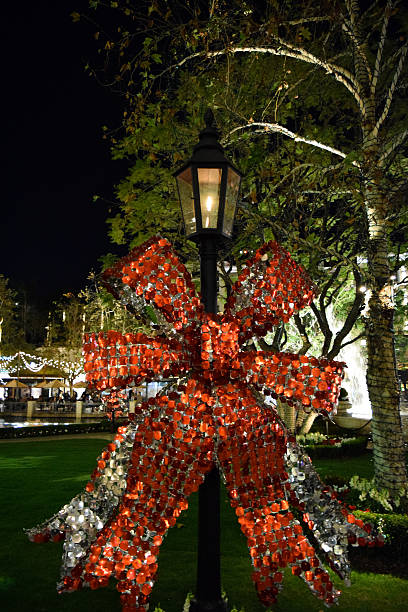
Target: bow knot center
pixel 219 347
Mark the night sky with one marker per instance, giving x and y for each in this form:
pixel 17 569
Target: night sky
pixel 54 158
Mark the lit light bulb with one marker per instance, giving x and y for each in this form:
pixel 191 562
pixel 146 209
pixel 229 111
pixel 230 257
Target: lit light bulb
pixel 207 221
pixel 209 204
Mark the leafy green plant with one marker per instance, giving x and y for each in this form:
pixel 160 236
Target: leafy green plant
pixel 381 499
pixel 361 494
pixel 190 596
pixel 311 438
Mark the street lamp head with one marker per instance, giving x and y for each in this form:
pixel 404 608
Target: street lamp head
pixel 208 186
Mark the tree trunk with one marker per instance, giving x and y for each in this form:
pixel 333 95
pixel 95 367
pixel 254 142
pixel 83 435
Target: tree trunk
pixel 289 417
pixel 382 383
pixel 388 443
pixel 388 446
pixel 308 422
pixel 300 417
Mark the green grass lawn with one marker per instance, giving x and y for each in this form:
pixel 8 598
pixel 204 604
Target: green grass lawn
pixel 38 477
pixel 346 467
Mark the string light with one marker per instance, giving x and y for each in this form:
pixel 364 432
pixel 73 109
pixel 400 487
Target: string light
pixel 35 364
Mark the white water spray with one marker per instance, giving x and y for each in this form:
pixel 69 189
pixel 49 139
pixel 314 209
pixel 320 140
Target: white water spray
pixel 355 373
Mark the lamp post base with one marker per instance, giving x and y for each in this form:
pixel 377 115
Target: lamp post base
pixel 219 605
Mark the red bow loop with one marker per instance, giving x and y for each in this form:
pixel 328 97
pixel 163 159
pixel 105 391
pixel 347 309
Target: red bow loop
pixel 152 277
pixel 113 360
pixel 297 379
pixel 270 289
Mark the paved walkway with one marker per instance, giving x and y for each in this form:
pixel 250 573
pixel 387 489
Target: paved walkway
pixel 109 436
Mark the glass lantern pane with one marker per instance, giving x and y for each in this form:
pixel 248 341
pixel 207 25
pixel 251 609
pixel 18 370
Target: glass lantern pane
pixel 185 187
pixel 231 197
pixel 209 180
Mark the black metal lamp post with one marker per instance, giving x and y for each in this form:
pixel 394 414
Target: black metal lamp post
pixel 208 187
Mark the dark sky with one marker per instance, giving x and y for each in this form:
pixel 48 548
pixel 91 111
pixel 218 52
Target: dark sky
pixel 53 157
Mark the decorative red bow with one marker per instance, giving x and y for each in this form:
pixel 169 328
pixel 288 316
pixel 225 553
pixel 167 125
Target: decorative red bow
pixel 208 347
pixel 215 413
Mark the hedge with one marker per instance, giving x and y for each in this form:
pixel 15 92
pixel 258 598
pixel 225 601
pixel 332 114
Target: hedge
pixel 349 447
pixel 11 433
pixel 393 526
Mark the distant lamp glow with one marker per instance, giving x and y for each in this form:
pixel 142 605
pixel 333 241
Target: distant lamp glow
pixel 208 186
pixel 362 288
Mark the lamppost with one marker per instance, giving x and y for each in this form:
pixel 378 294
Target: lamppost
pixel 208 186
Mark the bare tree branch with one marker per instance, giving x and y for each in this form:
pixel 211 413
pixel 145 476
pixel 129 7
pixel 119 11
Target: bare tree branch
pixel 306 344
pixel 323 321
pixel 351 318
pixel 283 48
pixel 329 67
pixel 391 90
pixel 353 340
pixel 307 20
pixel 392 145
pixel 276 127
pixel 348 28
pixel 380 49
pixel 326 331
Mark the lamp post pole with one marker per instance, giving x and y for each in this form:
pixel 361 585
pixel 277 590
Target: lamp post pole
pixel 208 186
pixel 208 596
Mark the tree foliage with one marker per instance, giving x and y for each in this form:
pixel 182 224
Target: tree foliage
pixel 11 332
pixel 281 79
pixel 178 62
pixel 312 100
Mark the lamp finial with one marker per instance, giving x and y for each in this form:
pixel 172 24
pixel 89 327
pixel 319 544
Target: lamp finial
pixel 209 119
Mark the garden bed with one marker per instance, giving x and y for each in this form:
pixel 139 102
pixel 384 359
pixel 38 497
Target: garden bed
pixel 379 561
pixel 319 446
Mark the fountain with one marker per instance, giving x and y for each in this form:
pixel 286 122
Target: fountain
pixel 359 411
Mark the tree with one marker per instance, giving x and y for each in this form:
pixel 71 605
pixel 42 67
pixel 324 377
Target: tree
pixel 67 361
pixel 102 312
pixel 92 310
pixel 11 334
pixel 344 64
pixel 63 345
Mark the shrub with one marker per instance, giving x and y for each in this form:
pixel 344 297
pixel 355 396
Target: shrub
pixel 11 433
pixel 394 528
pixel 337 482
pixel 362 494
pixel 319 446
pixel 378 499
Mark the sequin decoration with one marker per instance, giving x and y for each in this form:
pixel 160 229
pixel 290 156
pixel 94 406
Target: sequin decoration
pixel 214 415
